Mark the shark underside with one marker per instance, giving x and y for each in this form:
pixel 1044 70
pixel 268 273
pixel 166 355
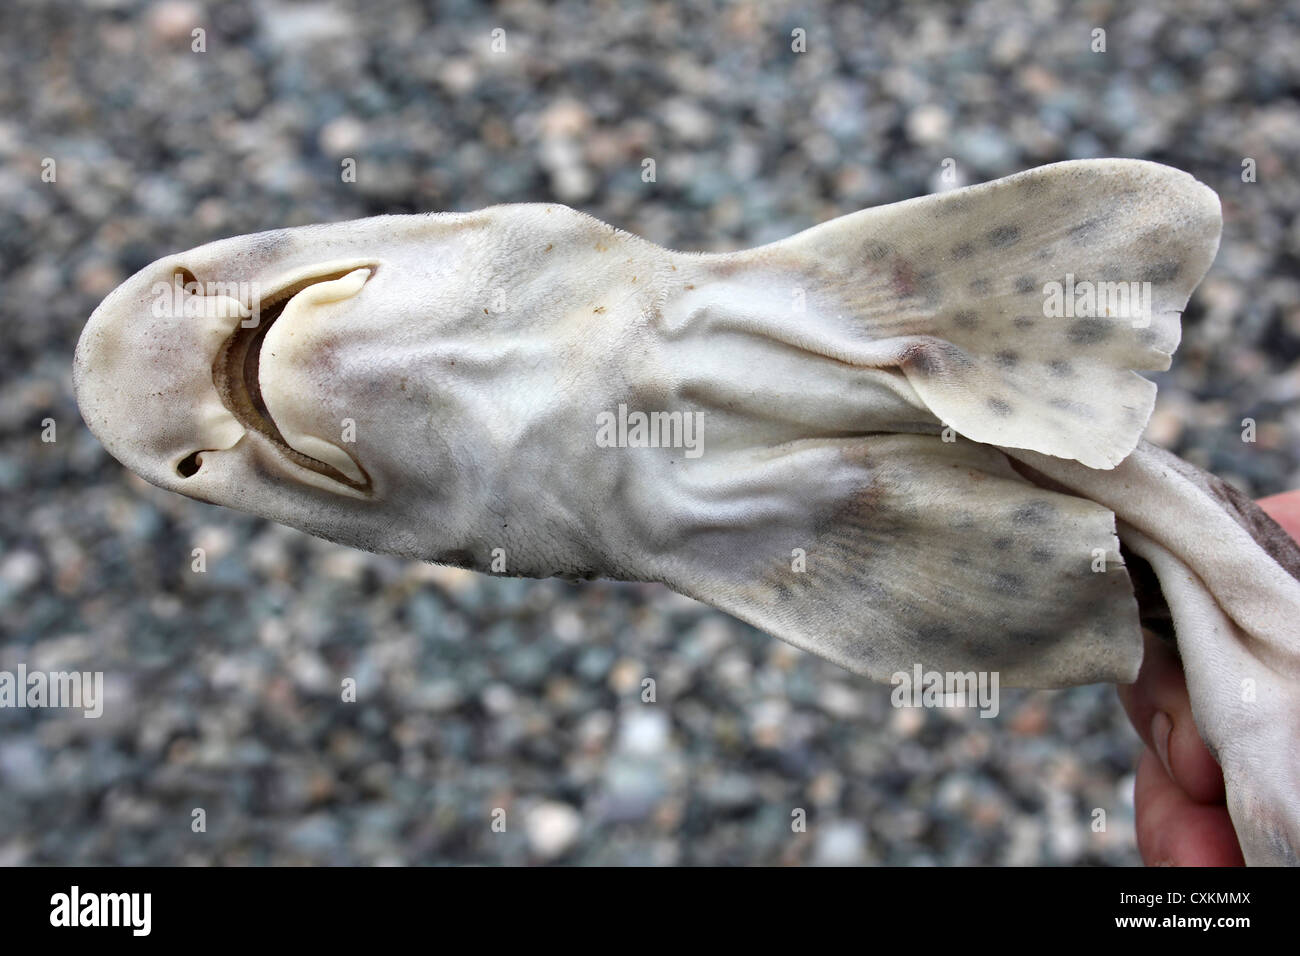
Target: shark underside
pixel 908 435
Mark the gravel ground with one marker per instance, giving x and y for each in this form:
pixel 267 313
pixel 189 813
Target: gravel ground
pixel 476 693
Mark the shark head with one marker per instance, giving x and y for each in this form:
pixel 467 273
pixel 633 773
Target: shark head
pixel 363 381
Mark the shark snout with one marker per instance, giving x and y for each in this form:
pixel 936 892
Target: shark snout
pixel 167 368
pixel 143 370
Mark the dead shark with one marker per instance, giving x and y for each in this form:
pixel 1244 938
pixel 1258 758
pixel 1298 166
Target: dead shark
pixel 917 429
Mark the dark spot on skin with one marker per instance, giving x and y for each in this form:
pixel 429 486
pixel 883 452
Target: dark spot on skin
pixel 1060 368
pixel 265 243
pixel 981 647
pixel 936 358
pixel 960 558
pixel 966 319
pixel 1004 236
pixel 1083 231
pixel 1002 544
pixel 999 407
pixel 904 282
pixel 954 204
pixel 1042 555
pixel 1066 405
pixel 1027 639
pixel 1161 272
pixel 979 286
pixel 1089 331
pixel 876 251
pixel 1006 583
pixel 935 633
pixel 1036 512
pixel 1007 358
pixel 963 250
pixel 1025 285
pixel 927 284
pixel 873 592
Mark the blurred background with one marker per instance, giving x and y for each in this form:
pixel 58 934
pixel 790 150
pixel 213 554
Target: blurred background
pixel 478 693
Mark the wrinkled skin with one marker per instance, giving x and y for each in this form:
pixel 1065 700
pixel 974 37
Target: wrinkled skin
pixel 903 458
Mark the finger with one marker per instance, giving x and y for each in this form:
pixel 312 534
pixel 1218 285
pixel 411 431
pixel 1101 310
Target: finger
pixel 1285 510
pixel 1174 830
pixel 1161 712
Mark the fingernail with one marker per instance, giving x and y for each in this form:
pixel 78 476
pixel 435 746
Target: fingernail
pixel 1161 728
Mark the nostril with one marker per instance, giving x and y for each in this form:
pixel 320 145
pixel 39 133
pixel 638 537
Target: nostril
pixel 184 276
pixel 189 465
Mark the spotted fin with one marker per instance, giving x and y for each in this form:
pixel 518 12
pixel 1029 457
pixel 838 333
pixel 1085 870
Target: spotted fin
pixel 1020 310
pixel 906 549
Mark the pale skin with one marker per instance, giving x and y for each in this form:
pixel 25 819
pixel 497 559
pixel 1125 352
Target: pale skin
pixel 1182 813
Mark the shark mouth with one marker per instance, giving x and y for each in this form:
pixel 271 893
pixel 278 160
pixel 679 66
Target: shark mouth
pixel 236 375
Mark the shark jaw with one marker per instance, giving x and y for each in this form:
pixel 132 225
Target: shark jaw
pixel 237 375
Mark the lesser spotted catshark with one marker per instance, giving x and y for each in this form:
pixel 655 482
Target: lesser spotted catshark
pixel 917 428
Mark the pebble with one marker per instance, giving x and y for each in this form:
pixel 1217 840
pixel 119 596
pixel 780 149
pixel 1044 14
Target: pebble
pixel 643 730
pixel 553 829
pixel 841 843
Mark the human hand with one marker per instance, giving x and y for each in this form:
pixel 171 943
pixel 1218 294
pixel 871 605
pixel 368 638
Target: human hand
pixel 1182 816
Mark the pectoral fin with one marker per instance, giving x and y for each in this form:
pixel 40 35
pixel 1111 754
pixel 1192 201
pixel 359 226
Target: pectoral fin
pixel 1020 310
pixel 905 549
